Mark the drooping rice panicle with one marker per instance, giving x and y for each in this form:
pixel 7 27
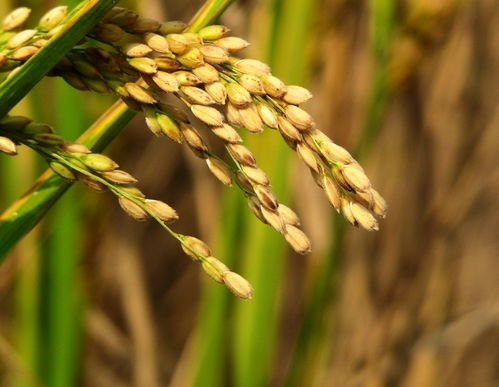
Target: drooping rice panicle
pixel 75 162
pixel 140 60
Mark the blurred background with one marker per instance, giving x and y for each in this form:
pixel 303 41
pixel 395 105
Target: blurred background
pixel 92 298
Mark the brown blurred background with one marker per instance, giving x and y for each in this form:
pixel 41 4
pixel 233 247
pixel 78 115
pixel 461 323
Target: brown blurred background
pixel 413 86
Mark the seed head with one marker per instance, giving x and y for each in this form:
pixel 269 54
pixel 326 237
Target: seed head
pixel 74 79
pixel 332 192
pixel 288 130
pixel 136 49
pixel 217 91
pixel 355 176
pixel 139 93
pixel 40 43
pixel 242 154
pixel 73 147
pixel 108 33
pixel 299 117
pixel 273 219
pixel 98 162
pixel 266 197
pixel 172 27
pixel 143 25
pixel 62 170
pixel 123 17
pixel 168 64
pixel 177 43
pixel 219 170
pixel 53 18
pixel 192 58
pixel 288 215
pixel 273 86
pixel 144 65
pixel 20 38
pixel 334 153
pixel 250 118
pixel 238 285
pixel 86 69
pixel 157 42
pixel 297 239
pixel 133 209
pixel 16 18
pixel 7 146
pixel 166 81
pixel 252 66
pixel 252 83
pixel 364 218
pixel 256 175
pixel 380 206
pixel 169 127
pixel 206 73
pixel 208 115
pixel 91 183
pixel 307 155
pixel 214 268
pixel 193 138
pixel 48 139
pixel 214 54
pixel 232 43
pixel 186 78
pixel 35 128
pixel 267 115
pixel 233 115
pixel 238 95
pixel 296 95
pixel 24 53
pixel 244 183
pixel 151 120
pixel 213 32
pixel 54 31
pixel 227 133
pixel 162 210
pixel 119 177
pixel 195 248
pixel 346 210
pixel 14 123
pixel 197 95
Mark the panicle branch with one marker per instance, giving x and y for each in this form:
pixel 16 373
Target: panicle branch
pixel 75 162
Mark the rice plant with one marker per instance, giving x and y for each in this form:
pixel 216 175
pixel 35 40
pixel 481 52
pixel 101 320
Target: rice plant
pixel 225 96
pixel 139 59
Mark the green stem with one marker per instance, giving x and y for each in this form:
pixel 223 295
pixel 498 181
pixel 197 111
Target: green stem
pixel 209 13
